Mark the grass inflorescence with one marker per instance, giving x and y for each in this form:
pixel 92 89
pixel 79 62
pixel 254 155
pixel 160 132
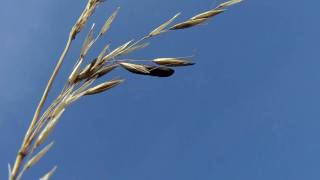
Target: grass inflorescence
pixel 82 79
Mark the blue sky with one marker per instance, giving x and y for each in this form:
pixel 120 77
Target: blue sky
pixel 248 110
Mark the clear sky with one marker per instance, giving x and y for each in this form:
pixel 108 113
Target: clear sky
pixel 248 110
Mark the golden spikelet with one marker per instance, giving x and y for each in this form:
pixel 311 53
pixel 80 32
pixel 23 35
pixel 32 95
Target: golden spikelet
pixel 49 174
pixel 134 48
pixel 87 43
pixel 117 51
pixel 108 22
pixel 229 3
pixel 87 71
pixel 173 62
pixel 48 129
pixel 160 29
pixel 103 71
pixel 73 76
pixel 82 20
pixel 135 68
pixel 189 23
pixel 208 14
pixel 103 87
pixel 99 61
pixel 38 156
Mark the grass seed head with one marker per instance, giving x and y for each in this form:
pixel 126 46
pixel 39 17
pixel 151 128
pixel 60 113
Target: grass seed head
pixel 42 129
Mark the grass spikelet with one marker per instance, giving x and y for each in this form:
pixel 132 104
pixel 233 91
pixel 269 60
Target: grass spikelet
pixel 117 51
pixel 172 62
pixel 86 71
pixel 38 156
pixel 48 129
pixel 82 20
pixel 134 48
pixel 189 23
pixel 161 28
pixel 49 174
pixel 103 52
pixel 103 71
pixel 108 22
pixel 229 3
pixel 59 109
pixel 103 87
pixel 208 14
pixel 87 43
pixel 73 76
pixel 135 68
pixel 80 91
pixel 99 61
